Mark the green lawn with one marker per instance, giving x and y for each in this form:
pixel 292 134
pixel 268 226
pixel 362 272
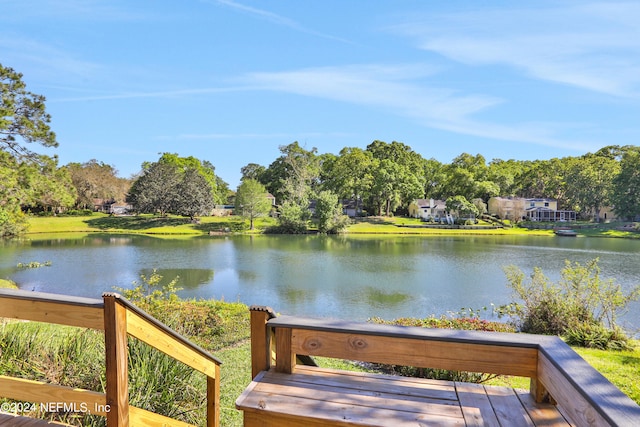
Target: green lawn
pixel 174 225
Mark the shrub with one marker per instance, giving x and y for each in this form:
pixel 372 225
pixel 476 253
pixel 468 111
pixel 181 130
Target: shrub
pixel 580 304
pixel 593 335
pixel 293 218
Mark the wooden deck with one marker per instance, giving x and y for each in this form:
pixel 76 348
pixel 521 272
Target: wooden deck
pixel 18 421
pixel 290 390
pixel 315 396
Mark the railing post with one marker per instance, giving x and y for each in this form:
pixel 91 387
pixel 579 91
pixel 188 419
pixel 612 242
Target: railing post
pixel 115 338
pixel 285 357
pixel 260 339
pixel 213 399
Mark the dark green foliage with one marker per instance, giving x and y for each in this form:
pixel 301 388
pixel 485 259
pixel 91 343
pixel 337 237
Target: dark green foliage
pixel 252 201
pixel 181 186
pixel 23 118
pixel 593 335
pixel 331 220
pixel 293 218
pixel 626 185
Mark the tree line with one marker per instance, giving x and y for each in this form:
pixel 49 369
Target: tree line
pixel 381 179
pixel 384 178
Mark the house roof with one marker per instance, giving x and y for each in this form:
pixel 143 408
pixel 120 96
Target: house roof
pixel 426 203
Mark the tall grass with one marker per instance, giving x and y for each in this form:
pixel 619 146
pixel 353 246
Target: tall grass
pixel 75 358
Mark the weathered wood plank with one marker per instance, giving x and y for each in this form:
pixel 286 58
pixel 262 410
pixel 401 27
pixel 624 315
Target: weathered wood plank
pixel 14 420
pixel 377 383
pixel 52 312
pixel 476 407
pixel 292 399
pixel 542 414
pixel 36 391
pixel 303 410
pixel 584 396
pixel 260 353
pixel 143 418
pixel 115 337
pixel 213 399
pixel 285 357
pixel 507 407
pixel 373 393
pixel 141 328
pixel 413 352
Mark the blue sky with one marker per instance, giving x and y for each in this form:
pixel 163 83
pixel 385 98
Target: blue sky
pixel 229 81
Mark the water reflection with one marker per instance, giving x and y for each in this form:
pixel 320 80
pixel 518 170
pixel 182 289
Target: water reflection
pixel 354 277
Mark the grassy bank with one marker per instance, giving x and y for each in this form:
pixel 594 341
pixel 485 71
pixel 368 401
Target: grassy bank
pixel 152 225
pixel 74 357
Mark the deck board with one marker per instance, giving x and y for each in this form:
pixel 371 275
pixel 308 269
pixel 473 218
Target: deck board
pixel 19 421
pixel 315 396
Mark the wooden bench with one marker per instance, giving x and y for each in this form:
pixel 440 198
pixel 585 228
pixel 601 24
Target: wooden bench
pixel 287 391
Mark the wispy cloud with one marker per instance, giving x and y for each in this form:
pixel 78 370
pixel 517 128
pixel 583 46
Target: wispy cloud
pixel 46 58
pixel 276 19
pixel 391 88
pixel 594 46
pixel 405 91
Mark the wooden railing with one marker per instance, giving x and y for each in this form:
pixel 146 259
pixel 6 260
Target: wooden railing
pixel 557 373
pixel 118 318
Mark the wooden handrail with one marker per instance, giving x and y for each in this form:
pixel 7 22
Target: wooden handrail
pixel 118 318
pixel 556 371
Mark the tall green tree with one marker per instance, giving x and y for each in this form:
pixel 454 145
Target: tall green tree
pixel 155 190
pixel 350 175
pixel 205 168
pixel 434 178
pixel 97 180
pixel 28 178
pixel 193 195
pixel 23 118
pixel 626 185
pixel 251 200
pixel 462 206
pixel 329 213
pixel 253 171
pixel 299 179
pixel 590 183
pixel 469 176
pixel 398 177
pixel 173 184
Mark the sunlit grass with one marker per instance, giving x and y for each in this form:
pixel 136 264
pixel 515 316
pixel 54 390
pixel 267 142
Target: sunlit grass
pixel 8 284
pixel 180 226
pixel 622 368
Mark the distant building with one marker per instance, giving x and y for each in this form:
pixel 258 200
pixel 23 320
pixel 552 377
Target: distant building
pixel 428 209
pixel 533 209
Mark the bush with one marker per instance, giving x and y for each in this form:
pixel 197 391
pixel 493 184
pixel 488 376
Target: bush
pixel 592 335
pixel 580 306
pixel 293 219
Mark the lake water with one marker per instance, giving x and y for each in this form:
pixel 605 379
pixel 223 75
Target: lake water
pixel 342 277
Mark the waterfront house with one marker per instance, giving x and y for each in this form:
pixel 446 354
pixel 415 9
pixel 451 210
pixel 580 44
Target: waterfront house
pixel 533 209
pixel 428 209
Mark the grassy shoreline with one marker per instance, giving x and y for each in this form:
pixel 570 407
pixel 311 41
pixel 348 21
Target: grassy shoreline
pixel 175 226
